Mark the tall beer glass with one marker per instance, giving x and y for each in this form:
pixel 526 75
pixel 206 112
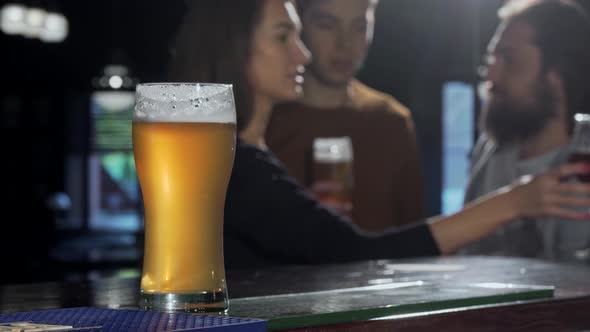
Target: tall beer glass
pixel 184 139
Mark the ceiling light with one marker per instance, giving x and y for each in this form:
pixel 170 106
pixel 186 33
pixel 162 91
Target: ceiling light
pixel 34 21
pixel 12 19
pixel 55 28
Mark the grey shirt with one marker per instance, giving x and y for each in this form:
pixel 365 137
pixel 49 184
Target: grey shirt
pixel 548 238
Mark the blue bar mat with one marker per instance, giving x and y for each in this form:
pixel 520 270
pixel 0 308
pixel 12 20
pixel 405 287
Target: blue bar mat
pixel 114 320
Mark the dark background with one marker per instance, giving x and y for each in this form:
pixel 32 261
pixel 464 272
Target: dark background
pixel 44 89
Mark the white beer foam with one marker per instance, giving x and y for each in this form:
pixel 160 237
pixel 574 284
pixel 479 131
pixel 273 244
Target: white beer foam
pixel 332 149
pixel 184 102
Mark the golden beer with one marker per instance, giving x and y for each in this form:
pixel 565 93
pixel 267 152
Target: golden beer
pixel 184 170
pixel 333 173
pixel 333 185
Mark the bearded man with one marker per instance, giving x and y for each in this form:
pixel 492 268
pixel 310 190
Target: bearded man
pixel 538 77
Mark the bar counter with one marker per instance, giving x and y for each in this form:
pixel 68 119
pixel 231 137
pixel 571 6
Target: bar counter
pixel 425 294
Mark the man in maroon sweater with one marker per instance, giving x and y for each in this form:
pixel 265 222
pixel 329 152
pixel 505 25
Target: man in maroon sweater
pixel 388 185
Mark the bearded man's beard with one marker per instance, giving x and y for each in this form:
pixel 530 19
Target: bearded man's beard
pixel 509 121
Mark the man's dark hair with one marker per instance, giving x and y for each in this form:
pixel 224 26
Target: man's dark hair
pixel 303 5
pixel 562 33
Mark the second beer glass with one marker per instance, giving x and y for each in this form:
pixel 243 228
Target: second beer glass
pixel 332 173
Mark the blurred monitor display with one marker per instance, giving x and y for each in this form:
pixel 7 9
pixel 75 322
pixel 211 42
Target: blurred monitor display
pixel 113 195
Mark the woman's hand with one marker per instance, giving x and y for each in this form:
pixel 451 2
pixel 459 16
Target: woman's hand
pixel 550 194
pixel 547 194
